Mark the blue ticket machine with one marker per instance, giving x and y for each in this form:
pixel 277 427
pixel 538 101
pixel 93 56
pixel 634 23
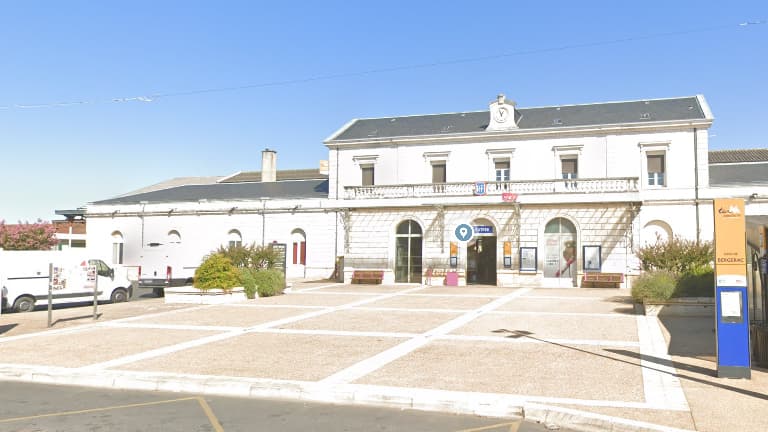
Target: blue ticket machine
pixel 733 355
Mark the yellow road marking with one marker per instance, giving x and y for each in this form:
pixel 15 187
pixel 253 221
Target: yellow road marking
pixel 209 413
pixel 513 427
pixel 203 404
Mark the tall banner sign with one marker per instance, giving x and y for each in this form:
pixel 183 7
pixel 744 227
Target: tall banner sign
pixel 732 326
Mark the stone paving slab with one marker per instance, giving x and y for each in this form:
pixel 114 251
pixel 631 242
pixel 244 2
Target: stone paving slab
pixel 523 369
pixel 478 290
pixel 222 315
pixel 312 299
pixel 673 419
pixel 375 321
pixel 578 292
pixel 90 346
pixel 365 288
pixel 590 305
pixel 14 324
pixel 416 301
pixel 544 326
pixel 268 355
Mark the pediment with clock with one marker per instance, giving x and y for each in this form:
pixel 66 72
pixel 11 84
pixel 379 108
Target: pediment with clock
pixel 502 114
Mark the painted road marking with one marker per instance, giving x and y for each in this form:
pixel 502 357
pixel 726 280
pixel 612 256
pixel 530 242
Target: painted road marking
pixel 203 404
pixel 508 427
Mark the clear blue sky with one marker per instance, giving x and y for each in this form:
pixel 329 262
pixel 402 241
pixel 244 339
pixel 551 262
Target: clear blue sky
pixel 538 53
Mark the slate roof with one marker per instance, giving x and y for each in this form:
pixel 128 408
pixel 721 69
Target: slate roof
pixel 227 191
pixel 255 176
pixel 737 156
pixel 739 174
pixel 608 113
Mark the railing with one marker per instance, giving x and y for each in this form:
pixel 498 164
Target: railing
pixel 587 185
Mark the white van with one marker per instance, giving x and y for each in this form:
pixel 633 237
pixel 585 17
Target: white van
pixel 24 277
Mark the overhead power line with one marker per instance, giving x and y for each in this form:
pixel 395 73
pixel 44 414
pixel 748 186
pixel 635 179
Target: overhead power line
pixel 160 95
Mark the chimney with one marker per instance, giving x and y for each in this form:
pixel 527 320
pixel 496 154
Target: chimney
pixel 268 165
pixel 324 167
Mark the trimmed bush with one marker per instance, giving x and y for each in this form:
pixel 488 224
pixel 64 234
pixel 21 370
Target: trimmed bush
pixel 249 256
pixel 677 255
pixel 269 282
pixel 216 271
pixel 700 282
pixel 655 285
pixel 248 279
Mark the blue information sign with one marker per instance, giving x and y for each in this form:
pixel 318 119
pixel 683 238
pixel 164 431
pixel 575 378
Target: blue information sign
pixel 480 188
pixel 463 232
pixel 483 229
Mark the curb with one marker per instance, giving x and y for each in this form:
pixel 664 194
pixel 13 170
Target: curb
pixel 470 403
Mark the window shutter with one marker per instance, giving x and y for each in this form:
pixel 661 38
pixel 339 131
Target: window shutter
pixel 303 253
pixel 502 165
pixel 569 166
pixel 438 173
pixel 295 247
pixel 367 175
pixel 655 163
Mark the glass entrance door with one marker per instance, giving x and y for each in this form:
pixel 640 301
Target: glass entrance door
pixel 560 253
pixel 408 245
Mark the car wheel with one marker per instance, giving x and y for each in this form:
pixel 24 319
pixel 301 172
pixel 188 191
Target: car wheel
pixel 24 304
pixel 119 295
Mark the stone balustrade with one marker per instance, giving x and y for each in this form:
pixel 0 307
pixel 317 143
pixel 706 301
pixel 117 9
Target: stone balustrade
pixel 531 187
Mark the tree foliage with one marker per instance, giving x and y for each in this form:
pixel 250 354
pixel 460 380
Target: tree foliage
pixel 216 271
pixel 249 256
pixel 27 236
pixel 677 255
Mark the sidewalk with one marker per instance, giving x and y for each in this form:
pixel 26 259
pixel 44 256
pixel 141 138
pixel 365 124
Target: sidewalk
pixel 579 358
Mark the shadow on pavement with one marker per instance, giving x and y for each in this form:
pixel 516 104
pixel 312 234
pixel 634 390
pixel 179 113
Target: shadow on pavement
pixel 690 336
pixel 75 318
pixel 515 334
pixel 7 328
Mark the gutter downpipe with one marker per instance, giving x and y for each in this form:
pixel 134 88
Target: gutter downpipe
pixel 696 181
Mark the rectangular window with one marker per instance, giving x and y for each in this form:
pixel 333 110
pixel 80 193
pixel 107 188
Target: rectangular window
pixel 438 172
pixel 367 171
pixel 656 170
pixel 570 168
pixel 502 170
pixel 235 243
pixel 117 253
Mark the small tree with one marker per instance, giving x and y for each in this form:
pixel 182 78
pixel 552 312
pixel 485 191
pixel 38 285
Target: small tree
pixel 250 256
pixel 27 236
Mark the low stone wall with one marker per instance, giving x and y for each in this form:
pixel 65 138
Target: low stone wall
pixel 191 295
pixel 690 306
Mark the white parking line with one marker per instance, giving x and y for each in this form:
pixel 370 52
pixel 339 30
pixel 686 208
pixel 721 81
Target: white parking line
pixel 316 288
pixel 230 334
pixel 660 383
pixel 573 314
pixel 375 362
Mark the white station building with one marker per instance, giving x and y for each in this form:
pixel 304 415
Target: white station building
pixel 506 196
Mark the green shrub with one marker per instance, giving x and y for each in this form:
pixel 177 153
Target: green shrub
pixel 269 282
pixel 249 256
pixel 248 279
pixel 677 255
pixel 699 282
pixel 216 271
pixel 654 285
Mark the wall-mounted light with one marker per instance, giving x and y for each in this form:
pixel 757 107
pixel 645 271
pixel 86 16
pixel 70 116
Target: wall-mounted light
pixel 753 196
pixel 232 210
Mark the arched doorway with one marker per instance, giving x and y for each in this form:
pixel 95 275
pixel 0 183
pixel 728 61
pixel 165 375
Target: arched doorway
pixel 481 254
pixel 560 263
pixel 408 246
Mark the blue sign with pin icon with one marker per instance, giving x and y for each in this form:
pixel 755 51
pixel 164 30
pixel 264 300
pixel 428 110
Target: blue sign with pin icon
pixel 463 232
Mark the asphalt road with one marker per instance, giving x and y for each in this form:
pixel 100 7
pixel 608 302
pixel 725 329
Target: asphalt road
pixel 28 407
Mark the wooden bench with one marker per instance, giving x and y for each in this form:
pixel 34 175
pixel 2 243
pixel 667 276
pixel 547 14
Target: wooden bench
pixel 367 276
pixel 602 280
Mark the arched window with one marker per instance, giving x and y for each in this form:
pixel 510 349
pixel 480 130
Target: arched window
pixel 656 232
pixel 173 237
pixel 408 244
pixel 117 247
pixel 299 240
pixel 560 249
pixel 235 239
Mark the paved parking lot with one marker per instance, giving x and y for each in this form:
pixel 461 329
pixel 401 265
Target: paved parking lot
pixel 485 350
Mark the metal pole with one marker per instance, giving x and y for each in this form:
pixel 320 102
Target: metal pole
pixel 95 294
pixel 50 294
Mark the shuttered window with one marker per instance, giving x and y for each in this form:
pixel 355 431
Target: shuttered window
pixel 656 170
pixel 570 168
pixel 367 171
pixel 438 173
